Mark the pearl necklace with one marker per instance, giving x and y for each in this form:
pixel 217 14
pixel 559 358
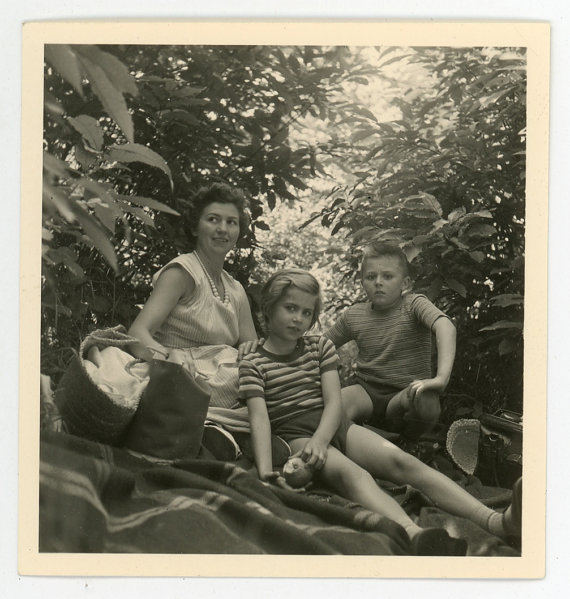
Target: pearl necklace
pixel 212 283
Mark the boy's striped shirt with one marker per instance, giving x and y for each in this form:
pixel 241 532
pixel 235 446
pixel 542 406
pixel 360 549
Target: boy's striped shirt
pixel 394 346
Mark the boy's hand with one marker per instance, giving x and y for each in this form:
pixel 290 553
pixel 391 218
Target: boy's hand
pixel 248 347
pixel 416 388
pixel 314 453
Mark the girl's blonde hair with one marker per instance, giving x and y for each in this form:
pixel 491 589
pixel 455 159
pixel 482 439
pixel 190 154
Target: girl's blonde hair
pixel 278 284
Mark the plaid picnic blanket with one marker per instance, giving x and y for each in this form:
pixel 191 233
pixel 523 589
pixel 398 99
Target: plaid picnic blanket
pixel 95 498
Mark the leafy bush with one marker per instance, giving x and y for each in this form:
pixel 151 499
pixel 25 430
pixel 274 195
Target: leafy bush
pixel 446 181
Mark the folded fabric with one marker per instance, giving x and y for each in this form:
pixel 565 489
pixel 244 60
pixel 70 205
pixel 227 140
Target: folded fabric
pixel 217 365
pixel 118 374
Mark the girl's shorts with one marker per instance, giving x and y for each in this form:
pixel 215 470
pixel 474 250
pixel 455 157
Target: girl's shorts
pixel 304 426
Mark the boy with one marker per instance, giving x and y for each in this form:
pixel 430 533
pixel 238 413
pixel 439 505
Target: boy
pixel 395 389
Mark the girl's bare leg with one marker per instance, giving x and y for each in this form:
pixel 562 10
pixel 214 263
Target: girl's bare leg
pixel 386 461
pixel 353 482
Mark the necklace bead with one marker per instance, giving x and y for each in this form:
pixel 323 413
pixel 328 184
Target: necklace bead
pixel 212 283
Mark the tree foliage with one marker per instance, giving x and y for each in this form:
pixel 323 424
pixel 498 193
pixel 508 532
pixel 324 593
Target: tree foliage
pixel 422 146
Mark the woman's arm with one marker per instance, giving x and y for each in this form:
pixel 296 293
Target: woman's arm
pixel 247 330
pixel 172 284
pixel 260 436
pixel 315 451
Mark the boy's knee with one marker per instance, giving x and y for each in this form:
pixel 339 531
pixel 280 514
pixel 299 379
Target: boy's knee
pixel 428 407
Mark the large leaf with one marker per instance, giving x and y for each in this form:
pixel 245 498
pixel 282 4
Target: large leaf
pixel 456 286
pixel 89 129
pixel 362 134
pixel 96 189
pixel 66 256
pixel 149 203
pixel 140 214
pixel 106 213
pixel 117 73
pixel 432 203
pixel 507 299
pixel 180 116
pixel 481 230
pixel 64 60
pixel 503 324
pixel 132 152
pixel 57 167
pixel 97 235
pixel 56 197
pixel 111 98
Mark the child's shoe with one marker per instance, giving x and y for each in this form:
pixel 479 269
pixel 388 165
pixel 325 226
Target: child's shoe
pixel 512 516
pixel 436 541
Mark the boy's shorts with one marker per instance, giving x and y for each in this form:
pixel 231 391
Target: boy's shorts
pixel 380 394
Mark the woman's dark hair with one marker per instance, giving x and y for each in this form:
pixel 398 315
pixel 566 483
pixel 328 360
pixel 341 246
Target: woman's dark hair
pixel 216 192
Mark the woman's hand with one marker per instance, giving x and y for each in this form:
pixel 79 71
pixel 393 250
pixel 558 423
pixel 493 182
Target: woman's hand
pixel 314 453
pixel 247 347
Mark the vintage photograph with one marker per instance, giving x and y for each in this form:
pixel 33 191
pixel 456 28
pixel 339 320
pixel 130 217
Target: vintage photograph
pixel 283 300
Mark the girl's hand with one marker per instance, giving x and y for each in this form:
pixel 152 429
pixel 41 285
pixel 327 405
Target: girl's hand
pixel 277 479
pixel 314 453
pixel 248 347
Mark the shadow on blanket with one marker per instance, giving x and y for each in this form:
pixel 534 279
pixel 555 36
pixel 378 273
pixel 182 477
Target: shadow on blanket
pixel 103 499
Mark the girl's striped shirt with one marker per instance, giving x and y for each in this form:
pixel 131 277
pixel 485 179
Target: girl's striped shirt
pixel 290 384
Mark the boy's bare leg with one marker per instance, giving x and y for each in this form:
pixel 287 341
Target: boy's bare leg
pixel 413 417
pixel 356 403
pixel 386 461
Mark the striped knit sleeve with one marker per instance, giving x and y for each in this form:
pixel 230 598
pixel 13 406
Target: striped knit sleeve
pixel 251 383
pixel 340 333
pixel 424 311
pixel 328 358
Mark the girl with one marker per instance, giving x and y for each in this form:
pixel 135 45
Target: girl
pixel 291 388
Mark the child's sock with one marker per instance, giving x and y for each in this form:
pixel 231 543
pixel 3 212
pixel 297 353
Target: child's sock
pixel 506 524
pixel 497 523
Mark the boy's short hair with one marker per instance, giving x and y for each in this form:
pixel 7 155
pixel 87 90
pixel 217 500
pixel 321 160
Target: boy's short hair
pixel 379 249
pixel 278 284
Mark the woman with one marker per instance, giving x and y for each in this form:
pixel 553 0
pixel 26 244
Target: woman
pixel 197 313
